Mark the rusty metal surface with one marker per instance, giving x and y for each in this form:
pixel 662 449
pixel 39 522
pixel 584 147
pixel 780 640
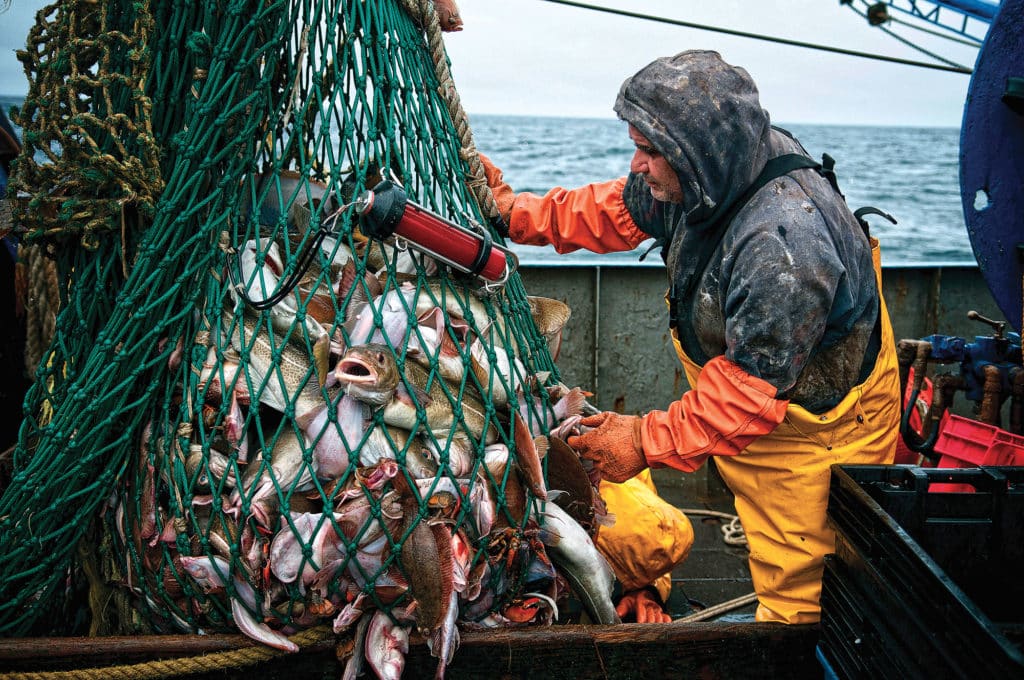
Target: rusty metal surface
pixel 617 345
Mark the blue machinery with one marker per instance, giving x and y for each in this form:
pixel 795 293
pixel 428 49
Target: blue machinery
pixel 992 193
pixel 967 18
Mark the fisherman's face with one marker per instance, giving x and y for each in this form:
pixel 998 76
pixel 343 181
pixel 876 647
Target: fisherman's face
pixel 659 175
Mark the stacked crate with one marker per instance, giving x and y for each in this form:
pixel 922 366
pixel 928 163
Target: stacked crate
pixel 924 584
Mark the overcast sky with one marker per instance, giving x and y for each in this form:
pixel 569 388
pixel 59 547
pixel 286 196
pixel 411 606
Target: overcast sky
pixel 534 57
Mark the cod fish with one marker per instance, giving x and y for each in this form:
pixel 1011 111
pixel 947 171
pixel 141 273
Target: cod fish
pixel 550 316
pixel 370 373
pixel 570 548
pixel 287 470
pixel 287 378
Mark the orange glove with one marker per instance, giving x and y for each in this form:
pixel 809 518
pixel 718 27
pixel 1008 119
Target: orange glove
pixel 503 194
pixel 613 445
pixel 448 15
pixel 643 605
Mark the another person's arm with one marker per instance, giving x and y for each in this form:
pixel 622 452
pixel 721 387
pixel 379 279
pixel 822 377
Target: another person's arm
pixel 593 217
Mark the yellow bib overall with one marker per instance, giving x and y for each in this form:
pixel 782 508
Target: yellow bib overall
pixel 781 480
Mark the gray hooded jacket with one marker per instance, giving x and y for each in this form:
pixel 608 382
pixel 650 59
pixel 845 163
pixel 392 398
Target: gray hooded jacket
pixel 790 293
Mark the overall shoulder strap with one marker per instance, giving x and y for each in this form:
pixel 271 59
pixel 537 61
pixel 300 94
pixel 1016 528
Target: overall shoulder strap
pixel 774 168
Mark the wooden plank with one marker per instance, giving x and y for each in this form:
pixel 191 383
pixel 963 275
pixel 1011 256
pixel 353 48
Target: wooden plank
pixel 705 650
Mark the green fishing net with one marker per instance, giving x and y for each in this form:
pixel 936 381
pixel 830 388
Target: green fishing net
pixel 257 416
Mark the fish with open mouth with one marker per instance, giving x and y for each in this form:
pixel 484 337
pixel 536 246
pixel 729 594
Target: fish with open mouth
pixel 370 373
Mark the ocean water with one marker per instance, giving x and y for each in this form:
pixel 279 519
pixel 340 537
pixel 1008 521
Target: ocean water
pixel 910 173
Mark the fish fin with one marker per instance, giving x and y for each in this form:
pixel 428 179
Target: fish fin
pixel 461 328
pixel 448 346
pixel 527 458
pixel 540 442
pixel 321 309
pixel 259 631
pixel 432 318
pixel 555 346
pixel 571 404
pixel 549 315
pixel 321 357
pixel 403 396
pixel 422 396
pixel 346 280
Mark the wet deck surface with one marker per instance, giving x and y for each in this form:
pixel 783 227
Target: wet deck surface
pixel 715 571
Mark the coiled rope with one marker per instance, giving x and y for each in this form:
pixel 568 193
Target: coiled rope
pixel 42 300
pixel 732 531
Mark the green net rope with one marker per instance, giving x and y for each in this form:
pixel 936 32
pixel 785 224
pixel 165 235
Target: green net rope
pixel 255 468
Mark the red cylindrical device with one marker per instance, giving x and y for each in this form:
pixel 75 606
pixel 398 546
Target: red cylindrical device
pixel 386 210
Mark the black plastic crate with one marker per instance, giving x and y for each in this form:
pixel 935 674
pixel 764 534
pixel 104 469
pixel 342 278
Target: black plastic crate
pixel 925 583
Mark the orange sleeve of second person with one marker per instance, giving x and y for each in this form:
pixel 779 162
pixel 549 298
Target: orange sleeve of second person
pixel 593 217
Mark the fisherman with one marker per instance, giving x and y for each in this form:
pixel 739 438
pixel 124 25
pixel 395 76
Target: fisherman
pixel 649 538
pixel 775 309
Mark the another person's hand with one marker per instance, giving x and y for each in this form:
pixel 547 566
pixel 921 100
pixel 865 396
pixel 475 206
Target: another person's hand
pixel 613 444
pixel 503 194
pixel 643 606
pixel 448 15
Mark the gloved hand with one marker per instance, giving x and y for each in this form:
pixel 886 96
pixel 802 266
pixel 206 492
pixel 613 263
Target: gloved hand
pixel 614 445
pixel 448 15
pixel 503 194
pixel 643 606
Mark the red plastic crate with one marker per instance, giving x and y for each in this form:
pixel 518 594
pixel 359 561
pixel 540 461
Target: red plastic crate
pixel 966 443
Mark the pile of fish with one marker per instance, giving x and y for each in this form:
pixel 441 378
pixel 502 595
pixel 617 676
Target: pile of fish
pixel 370 452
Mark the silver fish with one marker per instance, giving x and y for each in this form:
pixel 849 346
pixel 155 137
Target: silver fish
pixel 209 573
pixel 445 640
pixel 570 548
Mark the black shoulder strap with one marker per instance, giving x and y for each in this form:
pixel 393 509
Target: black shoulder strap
pixel 773 169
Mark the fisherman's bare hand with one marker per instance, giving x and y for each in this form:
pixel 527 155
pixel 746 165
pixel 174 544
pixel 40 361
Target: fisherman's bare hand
pixel 643 606
pixel 613 445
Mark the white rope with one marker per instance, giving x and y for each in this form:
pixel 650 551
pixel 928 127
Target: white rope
pixel 732 532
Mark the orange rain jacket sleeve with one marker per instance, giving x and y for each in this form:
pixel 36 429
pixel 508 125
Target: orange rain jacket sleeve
pixel 727 411
pixel 593 217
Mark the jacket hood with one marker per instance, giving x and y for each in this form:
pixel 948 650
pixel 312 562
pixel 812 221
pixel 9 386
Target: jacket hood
pixel 704 116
